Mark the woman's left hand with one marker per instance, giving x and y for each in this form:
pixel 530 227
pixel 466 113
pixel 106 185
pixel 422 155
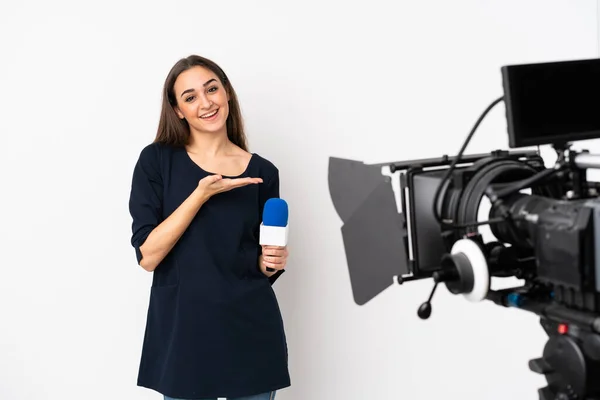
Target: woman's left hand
pixel 273 257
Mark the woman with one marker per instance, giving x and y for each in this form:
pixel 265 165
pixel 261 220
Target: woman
pixel 214 328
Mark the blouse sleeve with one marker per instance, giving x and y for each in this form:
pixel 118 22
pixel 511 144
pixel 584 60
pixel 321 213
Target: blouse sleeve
pixel 145 201
pixel 270 189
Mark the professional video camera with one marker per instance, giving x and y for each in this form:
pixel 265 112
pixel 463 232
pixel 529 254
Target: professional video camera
pixel 545 220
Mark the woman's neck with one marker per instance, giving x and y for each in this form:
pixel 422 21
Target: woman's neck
pixel 208 144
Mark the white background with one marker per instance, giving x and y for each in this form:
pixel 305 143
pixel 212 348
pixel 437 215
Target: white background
pixel 375 81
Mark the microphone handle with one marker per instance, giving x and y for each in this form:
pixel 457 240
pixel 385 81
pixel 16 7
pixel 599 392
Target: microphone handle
pixel 271 234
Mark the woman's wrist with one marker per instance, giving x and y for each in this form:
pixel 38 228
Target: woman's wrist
pixel 200 195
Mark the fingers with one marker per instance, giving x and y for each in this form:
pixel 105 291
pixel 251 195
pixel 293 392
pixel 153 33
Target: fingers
pixel 275 257
pixel 275 251
pixel 246 181
pixel 278 264
pixel 239 182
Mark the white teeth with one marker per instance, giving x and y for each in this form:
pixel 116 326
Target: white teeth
pixel 209 115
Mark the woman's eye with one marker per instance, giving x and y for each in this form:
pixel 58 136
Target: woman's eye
pixel 212 89
pixel 188 99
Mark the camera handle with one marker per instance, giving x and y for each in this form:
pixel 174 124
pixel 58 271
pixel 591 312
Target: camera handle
pixel 464 271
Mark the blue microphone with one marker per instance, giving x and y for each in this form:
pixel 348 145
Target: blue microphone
pixel 274 228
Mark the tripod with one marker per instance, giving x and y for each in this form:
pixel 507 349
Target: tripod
pixel 570 363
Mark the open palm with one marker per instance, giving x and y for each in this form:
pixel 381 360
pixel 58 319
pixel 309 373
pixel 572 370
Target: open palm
pixel 214 184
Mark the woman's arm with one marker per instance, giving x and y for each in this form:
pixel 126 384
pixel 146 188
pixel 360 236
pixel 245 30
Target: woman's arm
pixel 162 238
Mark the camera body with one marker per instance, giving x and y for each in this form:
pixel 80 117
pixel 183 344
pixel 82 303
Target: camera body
pixel 562 236
pixel 548 237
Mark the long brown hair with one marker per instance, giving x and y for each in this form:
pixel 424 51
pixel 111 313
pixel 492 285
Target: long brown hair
pixel 175 131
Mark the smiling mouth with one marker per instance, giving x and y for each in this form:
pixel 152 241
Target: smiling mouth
pixel 210 114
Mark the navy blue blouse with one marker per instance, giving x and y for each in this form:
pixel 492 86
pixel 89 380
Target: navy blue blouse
pixel 214 327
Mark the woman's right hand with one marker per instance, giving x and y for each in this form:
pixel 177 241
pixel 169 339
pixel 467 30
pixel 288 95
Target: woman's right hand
pixel 214 184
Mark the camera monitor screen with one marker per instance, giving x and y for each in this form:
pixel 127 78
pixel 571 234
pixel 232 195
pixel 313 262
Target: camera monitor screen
pixel 552 103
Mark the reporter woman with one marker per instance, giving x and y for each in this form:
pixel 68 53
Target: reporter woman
pixel 214 327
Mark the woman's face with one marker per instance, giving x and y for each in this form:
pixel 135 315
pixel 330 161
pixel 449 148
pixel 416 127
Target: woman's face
pixel 201 100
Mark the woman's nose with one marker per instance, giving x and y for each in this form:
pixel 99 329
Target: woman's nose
pixel 205 102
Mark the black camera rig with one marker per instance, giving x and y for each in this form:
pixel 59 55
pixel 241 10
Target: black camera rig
pixel 545 220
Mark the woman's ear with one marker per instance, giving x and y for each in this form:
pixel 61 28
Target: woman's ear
pixel 178 112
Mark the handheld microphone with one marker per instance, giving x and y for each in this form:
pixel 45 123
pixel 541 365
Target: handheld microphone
pixel 274 228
